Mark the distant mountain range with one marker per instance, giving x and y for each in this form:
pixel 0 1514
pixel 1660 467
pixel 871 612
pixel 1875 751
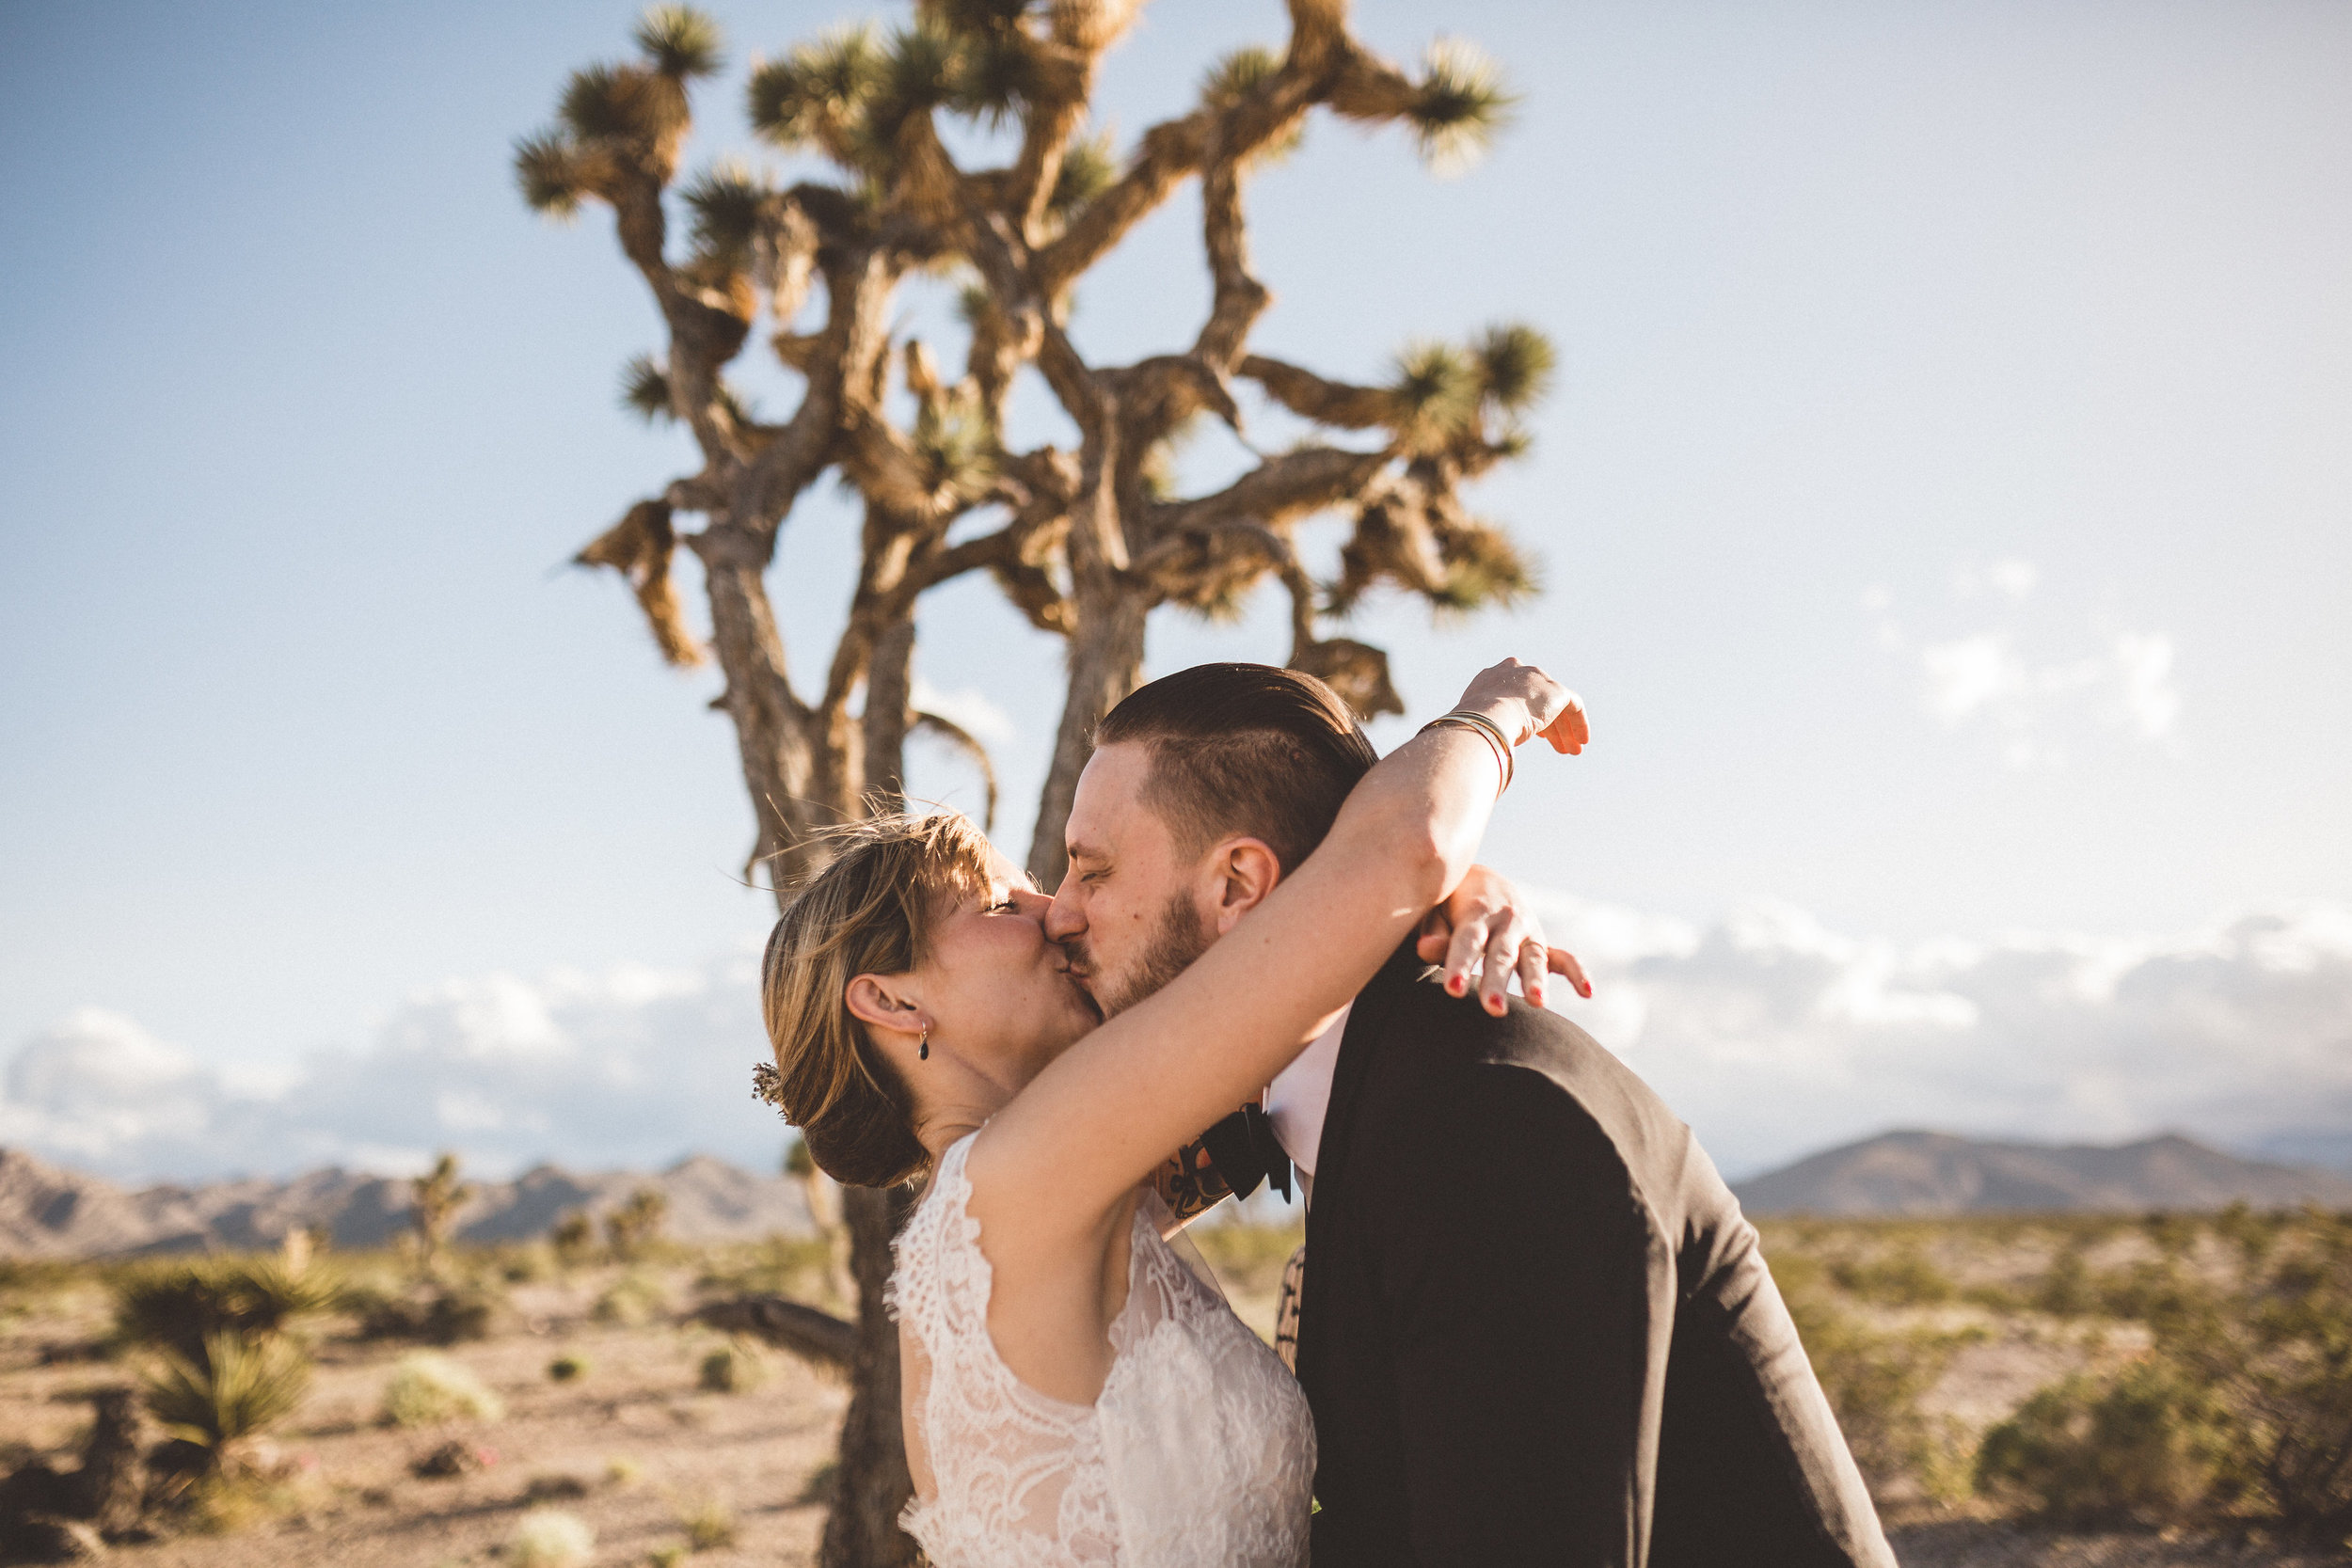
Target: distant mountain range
pixel 46 1211
pixel 1935 1173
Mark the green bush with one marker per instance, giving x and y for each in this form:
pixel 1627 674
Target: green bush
pixel 567 1368
pixel 425 1390
pixel 2275 1348
pixel 2143 1446
pixel 631 1301
pixel 1906 1278
pixel 735 1368
pixel 182 1308
pixel 1875 1381
pixel 446 1315
pixel 237 1389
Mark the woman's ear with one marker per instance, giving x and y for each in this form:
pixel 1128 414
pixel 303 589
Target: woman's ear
pixel 885 1002
pixel 1247 871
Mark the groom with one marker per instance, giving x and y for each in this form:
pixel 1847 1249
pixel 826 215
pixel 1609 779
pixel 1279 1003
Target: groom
pixel 1535 1328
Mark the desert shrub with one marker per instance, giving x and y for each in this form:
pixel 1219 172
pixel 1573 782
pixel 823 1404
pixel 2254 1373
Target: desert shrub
pixel 2275 1349
pixel 633 1228
pixel 708 1522
pixel 574 1240
pixel 425 1388
pixel 237 1389
pixel 567 1368
pixel 631 1302
pixel 183 1307
pixel 1903 1278
pixel 1875 1381
pixel 775 1265
pixel 443 1315
pixel 668 1554
pixel 733 1368
pixel 2144 1446
pixel 529 1263
pixel 548 1537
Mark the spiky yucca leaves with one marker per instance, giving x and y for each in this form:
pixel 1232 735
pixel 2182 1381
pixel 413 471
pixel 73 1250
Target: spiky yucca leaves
pixel 1483 567
pixel 680 42
pixel 958 448
pixel 1237 75
pixel 552 173
pixel 816 95
pixel 645 393
pixel 727 200
pixel 1458 107
pixel 639 547
pixel 1088 169
pixel 238 1388
pixel 1437 387
pixel 612 119
pixel 1515 366
pixel 183 1307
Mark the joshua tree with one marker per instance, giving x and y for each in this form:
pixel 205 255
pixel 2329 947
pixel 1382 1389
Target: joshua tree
pixel 632 1228
pixel 1085 543
pixel 435 1198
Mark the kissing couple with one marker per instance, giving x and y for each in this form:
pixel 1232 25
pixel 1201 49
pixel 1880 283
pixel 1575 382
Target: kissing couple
pixel 1533 1325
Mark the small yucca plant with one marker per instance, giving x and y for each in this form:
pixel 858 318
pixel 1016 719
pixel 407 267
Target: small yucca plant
pixel 237 1390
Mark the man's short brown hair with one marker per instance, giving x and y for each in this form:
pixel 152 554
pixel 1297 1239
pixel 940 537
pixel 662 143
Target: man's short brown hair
pixel 1244 748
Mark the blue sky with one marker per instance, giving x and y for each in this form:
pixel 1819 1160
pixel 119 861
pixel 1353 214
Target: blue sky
pixel 1942 504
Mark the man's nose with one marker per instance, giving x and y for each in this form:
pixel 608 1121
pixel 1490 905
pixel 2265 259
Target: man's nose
pixel 1064 919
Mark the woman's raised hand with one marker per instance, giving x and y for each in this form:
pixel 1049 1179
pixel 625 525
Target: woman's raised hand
pixel 1528 702
pixel 1484 933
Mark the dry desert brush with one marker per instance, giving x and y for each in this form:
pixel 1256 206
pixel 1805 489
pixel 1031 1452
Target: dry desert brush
pixel 960 150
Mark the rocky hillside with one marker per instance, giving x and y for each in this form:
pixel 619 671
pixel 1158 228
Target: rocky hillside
pixel 46 1211
pixel 1935 1173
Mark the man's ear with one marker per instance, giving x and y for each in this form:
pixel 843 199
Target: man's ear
pixel 1247 871
pixel 886 1001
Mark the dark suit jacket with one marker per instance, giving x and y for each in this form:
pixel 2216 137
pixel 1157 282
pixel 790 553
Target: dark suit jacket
pixel 1535 1328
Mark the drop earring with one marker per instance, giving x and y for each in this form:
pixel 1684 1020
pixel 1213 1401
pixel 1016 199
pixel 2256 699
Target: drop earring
pixel 923 1050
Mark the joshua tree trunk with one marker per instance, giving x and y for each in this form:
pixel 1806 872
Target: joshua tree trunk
pixel 872 1484
pixel 1106 663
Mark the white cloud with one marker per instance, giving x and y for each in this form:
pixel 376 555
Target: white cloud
pixel 2037 709
pixel 630 1068
pixel 1774 1036
pixel 1771 1031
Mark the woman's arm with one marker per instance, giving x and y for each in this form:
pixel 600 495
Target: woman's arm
pixel 1098 1120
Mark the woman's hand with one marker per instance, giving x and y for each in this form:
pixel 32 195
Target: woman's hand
pixel 1483 934
pixel 1527 702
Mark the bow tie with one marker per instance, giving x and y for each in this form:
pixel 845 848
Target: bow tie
pixel 1245 1152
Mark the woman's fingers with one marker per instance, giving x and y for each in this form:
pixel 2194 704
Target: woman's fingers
pixel 1571 731
pixel 1501 955
pixel 1465 956
pixel 1564 963
pixel 1531 972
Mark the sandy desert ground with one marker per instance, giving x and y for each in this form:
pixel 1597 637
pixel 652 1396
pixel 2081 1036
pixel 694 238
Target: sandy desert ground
pixel 637 1448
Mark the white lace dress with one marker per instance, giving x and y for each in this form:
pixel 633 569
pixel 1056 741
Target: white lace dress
pixel 1199 1453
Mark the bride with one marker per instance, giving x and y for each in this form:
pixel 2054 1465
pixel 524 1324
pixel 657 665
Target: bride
pixel 1074 1395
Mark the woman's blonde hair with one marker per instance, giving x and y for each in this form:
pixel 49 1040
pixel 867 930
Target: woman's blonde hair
pixel 868 912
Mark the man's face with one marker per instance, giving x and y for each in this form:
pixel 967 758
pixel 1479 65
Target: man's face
pixel 1127 910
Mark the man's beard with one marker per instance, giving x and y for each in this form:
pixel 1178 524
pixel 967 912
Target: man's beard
pixel 1170 951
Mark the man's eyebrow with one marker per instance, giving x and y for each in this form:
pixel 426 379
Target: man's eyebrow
pixel 1085 852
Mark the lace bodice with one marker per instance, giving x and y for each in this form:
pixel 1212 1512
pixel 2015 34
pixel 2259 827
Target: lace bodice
pixel 1199 1453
